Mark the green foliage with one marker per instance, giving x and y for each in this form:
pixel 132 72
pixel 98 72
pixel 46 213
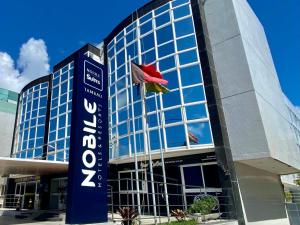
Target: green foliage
pixel 179 214
pixel 288 196
pixel 297 182
pixel 204 205
pixel 182 222
pixel 128 215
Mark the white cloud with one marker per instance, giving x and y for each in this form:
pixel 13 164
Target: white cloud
pixel 33 58
pixel 298 108
pixel 33 62
pixel 9 76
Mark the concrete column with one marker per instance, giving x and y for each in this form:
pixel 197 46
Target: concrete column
pixel 262 196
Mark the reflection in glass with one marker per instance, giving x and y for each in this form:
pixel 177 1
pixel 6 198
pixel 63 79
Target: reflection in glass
pixel 202 131
pixel 146 27
pixel 140 142
pixel 122 129
pixel 193 94
pixel 188 57
pixel 147 42
pixel 172 78
pixel 173 116
pixel 162 19
pixel 148 57
pixel 164 34
pixel 175 136
pixel 152 120
pixel 123 146
pixel 181 11
pixel 122 99
pixel 195 112
pixel 190 75
pixel 184 27
pixel 167 63
pixel 171 99
pixel 161 9
pixel 166 49
pixel 154 140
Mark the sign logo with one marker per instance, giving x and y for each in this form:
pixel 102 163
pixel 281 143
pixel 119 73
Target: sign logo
pixel 89 144
pixel 93 75
pixel 87 174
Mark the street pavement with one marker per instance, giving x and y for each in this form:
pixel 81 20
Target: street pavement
pixel 8 220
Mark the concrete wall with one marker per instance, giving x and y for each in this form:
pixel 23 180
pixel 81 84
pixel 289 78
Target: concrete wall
pixel 7 122
pixel 234 82
pixel 254 110
pixel 270 99
pixel 262 196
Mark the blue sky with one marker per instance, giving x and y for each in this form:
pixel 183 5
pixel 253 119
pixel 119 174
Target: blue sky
pixel 64 26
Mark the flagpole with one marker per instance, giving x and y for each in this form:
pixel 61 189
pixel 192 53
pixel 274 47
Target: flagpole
pixel 162 159
pixel 147 148
pixel 134 140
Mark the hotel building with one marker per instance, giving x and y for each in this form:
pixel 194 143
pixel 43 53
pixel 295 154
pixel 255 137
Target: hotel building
pixel 224 91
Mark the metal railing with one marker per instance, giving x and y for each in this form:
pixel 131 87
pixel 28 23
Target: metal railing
pixel 123 193
pixel 293 211
pixel 11 200
pixel 293 207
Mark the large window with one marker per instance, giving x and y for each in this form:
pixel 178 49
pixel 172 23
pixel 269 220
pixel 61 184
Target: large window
pixel 60 114
pixel 164 37
pixel 31 127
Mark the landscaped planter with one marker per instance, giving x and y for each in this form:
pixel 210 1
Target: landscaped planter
pixel 201 218
pixel 211 216
pixel 197 217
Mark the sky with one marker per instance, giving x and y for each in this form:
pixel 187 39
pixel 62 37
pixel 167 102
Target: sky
pixel 35 35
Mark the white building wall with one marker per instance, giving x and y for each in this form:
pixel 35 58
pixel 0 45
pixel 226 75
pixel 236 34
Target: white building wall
pixel 7 122
pixel 270 99
pixel 255 113
pixel 256 118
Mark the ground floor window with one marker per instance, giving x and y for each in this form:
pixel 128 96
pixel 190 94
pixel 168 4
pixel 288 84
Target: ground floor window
pixel 128 191
pixel 27 194
pixel 199 179
pixel 58 193
pixel 185 182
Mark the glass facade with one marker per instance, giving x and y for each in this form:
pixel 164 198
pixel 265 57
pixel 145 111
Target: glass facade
pixel 44 114
pixel 60 114
pixel 31 122
pixel 164 37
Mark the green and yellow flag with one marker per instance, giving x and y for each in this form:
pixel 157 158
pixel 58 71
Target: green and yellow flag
pixel 156 88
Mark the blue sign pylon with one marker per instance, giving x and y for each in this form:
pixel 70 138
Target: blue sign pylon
pixel 87 174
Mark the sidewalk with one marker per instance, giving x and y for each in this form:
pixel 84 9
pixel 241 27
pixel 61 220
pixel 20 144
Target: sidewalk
pixel 7 220
pixel 7 217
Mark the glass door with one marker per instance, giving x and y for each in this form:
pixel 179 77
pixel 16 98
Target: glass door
pixel 58 195
pixel 29 195
pixel 19 194
pixel 199 179
pixel 128 190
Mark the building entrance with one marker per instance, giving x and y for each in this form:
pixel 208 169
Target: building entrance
pixel 58 194
pixel 198 179
pixel 27 195
pixel 128 189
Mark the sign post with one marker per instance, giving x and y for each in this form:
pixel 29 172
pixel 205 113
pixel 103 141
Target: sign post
pixel 87 174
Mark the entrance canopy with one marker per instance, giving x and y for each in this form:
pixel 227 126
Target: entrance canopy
pixel 31 166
